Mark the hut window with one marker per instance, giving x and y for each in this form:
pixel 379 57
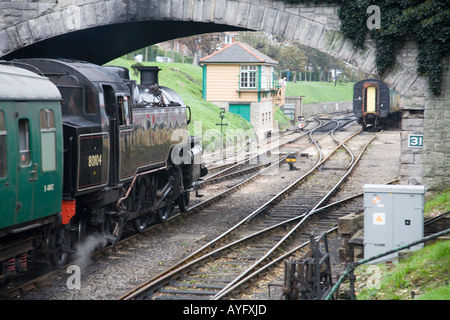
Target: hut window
pixel 248 76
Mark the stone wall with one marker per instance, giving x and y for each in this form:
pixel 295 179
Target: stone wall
pixel 436 151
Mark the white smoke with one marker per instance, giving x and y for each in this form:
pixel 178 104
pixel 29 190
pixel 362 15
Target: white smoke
pixel 87 247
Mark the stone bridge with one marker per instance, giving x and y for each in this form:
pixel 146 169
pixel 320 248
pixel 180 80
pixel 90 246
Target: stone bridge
pixel 101 30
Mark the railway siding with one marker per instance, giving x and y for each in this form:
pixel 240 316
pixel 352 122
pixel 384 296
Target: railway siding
pixel 168 243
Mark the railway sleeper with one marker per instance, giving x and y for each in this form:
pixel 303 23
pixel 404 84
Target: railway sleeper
pixel 198 285
pixel 188 291
pixel 201 277
pixel 179 297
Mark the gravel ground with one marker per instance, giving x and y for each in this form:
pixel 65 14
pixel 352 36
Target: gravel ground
pixel 122 268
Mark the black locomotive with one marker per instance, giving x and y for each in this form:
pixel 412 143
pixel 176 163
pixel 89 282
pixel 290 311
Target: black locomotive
pixel 374 103
pixel 126 157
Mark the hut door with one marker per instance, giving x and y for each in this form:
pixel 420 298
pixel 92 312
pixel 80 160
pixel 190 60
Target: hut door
pixel 241 109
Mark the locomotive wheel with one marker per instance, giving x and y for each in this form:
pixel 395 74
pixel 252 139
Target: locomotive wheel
pixel 140 202
pixel 83 224
pixel 58 242
pixel 165 212
pixel 141 195
pixel 183 201
pixel 141 223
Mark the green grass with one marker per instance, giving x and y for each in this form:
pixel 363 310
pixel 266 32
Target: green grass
pixel 186 79
pixel 440 203
pixel 315 92
pixel 426 273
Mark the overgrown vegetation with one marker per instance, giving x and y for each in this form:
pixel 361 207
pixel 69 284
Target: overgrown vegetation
pixel 423 276
pixel 426 21
pixel 439 203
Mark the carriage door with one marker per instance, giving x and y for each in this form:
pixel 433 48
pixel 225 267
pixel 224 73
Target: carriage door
pixel 27 166
pixel 371 100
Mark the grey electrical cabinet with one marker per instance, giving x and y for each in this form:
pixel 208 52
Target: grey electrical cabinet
pixel 393 217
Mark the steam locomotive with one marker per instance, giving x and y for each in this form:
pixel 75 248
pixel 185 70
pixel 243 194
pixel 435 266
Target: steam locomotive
pixel 374 103
pixel 85 150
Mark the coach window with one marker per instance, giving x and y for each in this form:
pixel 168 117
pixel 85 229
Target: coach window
pixel 24 143
pixel 48 140
pixel 124 111
pixel 2 145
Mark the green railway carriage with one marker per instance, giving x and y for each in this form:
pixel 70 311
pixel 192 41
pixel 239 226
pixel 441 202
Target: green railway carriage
pixel 31 149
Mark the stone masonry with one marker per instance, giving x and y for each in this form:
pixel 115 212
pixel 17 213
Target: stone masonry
pixel 26 22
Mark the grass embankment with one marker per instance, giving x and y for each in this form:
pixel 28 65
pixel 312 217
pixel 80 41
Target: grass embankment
pixel 315 92
pixel 423 276
pixel 186 79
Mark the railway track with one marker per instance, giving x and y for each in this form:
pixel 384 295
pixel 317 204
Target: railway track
pixel 247 246
pixel 34 280
pixel 232 178
pixel 29 283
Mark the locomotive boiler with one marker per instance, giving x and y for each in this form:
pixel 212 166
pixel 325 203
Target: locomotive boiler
pixel 97 150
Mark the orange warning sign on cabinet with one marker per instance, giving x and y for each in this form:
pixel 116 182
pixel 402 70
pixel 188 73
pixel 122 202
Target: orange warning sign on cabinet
pixel 376 200
pixel 379 218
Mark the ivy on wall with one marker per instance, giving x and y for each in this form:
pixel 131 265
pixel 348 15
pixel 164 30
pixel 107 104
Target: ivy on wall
pixel 427 21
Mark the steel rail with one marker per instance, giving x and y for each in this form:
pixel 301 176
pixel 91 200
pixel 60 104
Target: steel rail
pixel 166 276
pixel 236 186
pixel 266 205
pixel 180 266
pixel 232 285
pixel 249 159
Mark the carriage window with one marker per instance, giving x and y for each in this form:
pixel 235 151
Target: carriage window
pixel 48 140
pixel 124 111
pixel 2 145
pixel 24 143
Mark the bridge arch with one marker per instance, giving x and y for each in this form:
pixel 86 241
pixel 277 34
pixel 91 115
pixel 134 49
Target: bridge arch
pixel 100 30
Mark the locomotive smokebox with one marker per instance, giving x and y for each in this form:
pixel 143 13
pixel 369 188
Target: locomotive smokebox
pixel 149 75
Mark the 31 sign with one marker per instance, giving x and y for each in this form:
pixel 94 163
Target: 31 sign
pixel 415 141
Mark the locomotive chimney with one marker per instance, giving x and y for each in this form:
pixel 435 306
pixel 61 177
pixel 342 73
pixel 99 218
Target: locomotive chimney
pixel 149 75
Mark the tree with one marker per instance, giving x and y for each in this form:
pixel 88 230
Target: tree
pixel 292 58
pixel 201 45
